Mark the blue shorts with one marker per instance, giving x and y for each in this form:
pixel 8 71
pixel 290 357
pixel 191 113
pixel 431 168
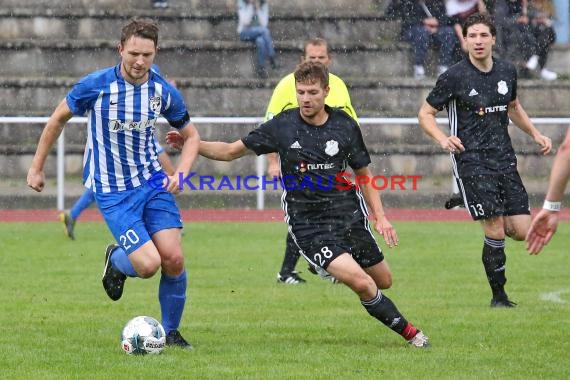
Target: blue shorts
pixel 133 216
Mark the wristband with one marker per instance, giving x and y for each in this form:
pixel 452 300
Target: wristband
pixel 551 206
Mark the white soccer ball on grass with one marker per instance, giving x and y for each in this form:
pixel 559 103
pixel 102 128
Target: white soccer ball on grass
pixel 143 335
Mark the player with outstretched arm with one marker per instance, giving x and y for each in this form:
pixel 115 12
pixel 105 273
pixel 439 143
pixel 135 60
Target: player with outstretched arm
pixel 327 219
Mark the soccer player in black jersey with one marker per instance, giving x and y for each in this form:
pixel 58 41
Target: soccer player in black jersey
pixel 326 212
pixel 480 94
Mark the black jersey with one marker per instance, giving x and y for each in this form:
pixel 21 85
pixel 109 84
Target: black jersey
pixel 477 107
pixel 312 158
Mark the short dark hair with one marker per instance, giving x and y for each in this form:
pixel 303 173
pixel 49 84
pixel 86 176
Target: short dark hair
pixel 317 41
pixel 140 28
pixel 479 18
pixel 312 72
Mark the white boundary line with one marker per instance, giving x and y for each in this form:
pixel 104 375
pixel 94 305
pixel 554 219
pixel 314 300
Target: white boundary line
pixel 554 296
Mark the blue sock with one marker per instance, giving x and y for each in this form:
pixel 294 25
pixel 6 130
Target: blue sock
pixel 120 260
pixel 172 297
pixel 82 203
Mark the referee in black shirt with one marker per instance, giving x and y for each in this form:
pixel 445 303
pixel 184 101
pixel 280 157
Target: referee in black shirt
pixel 480 95
pixel 326 212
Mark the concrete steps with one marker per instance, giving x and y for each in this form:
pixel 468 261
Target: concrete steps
pixel 201 59
pixel 236 96
pixel 193 6
pixel 337 26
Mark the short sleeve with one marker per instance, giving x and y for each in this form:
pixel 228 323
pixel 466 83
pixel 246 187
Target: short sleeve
pixel 175 111
pixel 262 140
pixel 358 156
pixel 442 93
pixel 82 96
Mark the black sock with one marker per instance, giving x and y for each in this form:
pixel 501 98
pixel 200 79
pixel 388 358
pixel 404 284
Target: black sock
pixel 384 310
pixel 291 257
pixel 494 260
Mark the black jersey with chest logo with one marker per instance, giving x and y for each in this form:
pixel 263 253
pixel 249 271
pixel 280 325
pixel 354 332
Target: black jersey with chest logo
pixel 477 108
pixel 312 156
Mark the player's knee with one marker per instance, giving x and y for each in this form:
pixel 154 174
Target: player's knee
pixel 515 234
pixel 385 282
pixel 148 269
pixel 363 285
pixel 173 265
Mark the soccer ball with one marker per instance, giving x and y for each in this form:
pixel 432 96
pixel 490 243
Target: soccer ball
pixel 143 335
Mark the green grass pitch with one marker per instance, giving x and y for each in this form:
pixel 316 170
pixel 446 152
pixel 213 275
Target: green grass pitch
pixel 57 322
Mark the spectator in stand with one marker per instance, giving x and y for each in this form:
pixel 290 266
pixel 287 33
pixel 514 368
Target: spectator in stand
pixel 514 41
pixel 541 14
pixel 562 23
pixel 425 23
pixel 253 21
pixel 511 26
pixel 525 38
pixel 159 4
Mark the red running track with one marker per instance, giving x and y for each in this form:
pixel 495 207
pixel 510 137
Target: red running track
pixel 251 215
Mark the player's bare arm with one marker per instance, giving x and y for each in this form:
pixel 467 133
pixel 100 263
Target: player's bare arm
pixel 222 151
pixel 520 118
pixel 52 130
pixel 273 169
pixel 545 223
pixel 215 150
pixel 426 118
pixel 190 145
pixel 374 203
pixel 166 163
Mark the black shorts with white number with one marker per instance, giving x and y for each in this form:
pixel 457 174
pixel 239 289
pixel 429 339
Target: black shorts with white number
pixel 490 195
pixel 323 242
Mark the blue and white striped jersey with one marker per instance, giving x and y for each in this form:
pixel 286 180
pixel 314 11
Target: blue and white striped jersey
pixel 121 152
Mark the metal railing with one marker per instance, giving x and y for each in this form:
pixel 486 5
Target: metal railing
pixel 260 160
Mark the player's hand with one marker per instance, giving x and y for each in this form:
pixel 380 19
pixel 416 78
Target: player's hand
pixel 431 24
pixel 175 140
pixel 545 143
pixel 541 230
pixel 388 232
pixel 273 169
pixel 172 186
pixel 522 19
pixel 452 144
pixel 36 179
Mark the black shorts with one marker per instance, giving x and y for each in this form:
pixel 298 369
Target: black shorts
pixel 490 195
pixel 320 244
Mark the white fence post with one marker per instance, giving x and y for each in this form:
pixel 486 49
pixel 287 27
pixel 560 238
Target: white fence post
pixel 61 171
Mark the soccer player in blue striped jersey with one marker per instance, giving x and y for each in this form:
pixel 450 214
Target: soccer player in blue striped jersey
pixel 122 105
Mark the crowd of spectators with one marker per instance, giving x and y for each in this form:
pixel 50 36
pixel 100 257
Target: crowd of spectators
pixel 525 31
